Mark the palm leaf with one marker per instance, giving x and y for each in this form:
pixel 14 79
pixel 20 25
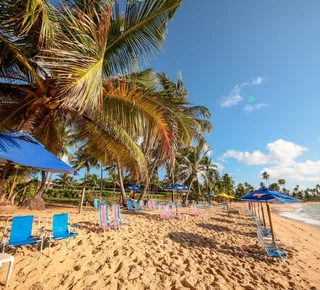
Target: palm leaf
pixel 138 34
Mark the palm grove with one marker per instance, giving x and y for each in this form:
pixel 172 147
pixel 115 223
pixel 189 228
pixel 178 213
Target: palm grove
pixel 70 76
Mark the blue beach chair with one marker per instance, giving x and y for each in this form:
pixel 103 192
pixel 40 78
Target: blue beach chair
pixel 272 249
pixel 21 233
pixel 130 205
pixel 179 204
pixel 136 205
pixel 96 203
pixel 60 228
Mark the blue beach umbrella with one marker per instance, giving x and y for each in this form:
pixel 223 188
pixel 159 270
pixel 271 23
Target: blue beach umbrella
pixel 209 194
pixel 22 149
pixel 134 188
pixel 177 187
pixel 266 195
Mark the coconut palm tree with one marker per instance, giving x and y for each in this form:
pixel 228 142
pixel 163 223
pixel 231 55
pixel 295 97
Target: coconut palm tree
pixel 266 176
pixel 282 183
pixel 59 65
pixel 187 125
pixel 65 180
pixel 195 167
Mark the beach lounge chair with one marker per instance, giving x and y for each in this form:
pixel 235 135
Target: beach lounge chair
pixel 130 205
pixel 164 211
pixel 117 215
pixel 136 205
pixel 61 229
pixel 163 203
pixel 155 204
pixel 195 210
pixel 179 204
pixel 21 233
pixel 208 204
pixel 150 204
pixel 272 248
pixel 173 212
pixel 105 222
pixel 96 203
pixel 141 204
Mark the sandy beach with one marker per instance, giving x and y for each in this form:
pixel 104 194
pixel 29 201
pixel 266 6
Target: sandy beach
pixel 211 251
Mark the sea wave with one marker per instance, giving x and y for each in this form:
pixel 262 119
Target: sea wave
pixel 301 214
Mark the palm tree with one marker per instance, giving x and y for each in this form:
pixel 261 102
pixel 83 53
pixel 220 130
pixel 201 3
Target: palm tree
pixel 187 124
pixel 113 177
pixel 282 183
pixel 65 180
pixel 83 160
pixel 58 66
pixel 266 176
pixel 195 167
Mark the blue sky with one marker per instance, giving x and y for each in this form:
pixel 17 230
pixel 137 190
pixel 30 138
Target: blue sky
pixel 266 49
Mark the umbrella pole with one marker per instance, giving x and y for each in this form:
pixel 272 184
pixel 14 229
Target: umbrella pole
pixel 258 211
pixel 264 219
pixel 270 221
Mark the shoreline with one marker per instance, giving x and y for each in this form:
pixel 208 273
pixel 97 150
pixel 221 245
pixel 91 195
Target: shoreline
pixel 283 208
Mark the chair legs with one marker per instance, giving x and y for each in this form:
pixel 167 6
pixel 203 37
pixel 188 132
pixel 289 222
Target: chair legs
pixel 10 270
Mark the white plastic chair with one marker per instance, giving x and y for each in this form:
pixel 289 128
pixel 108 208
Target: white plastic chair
pixel 7 258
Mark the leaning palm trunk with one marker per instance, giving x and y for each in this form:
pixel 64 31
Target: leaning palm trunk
pixel 3 181
pixel 147 182
pixel 122 191
pixel 37 202
pixel 187 196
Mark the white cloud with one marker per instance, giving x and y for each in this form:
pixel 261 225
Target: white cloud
pixel 281 159
pixel 258 81
pixel 235 96
pixel 233 99
pixel 285 152
pixel 238 170
pixel 254 158
pixel 298 171
pixel 250 108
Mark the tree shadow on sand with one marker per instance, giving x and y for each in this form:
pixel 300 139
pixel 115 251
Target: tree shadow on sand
pixel 215 228
pixel 90 226
pixel 221 220
pixel 152 216
pixel 191 240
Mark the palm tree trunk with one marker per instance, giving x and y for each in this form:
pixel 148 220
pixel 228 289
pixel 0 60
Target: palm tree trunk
pixel 187 196
pixel 49 182
pixel 146 186
pixel 122 191
pixel 3 181
pixel 37 202
pixel 13 185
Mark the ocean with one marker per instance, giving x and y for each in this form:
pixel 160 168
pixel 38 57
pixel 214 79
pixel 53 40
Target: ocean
pixel 307 213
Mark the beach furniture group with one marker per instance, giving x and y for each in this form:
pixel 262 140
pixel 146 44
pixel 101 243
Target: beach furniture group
pixel 265 234
pixel 116 221
pixel 21 232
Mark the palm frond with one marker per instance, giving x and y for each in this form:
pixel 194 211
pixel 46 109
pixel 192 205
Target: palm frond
pixel 138 34
pixel 77 57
